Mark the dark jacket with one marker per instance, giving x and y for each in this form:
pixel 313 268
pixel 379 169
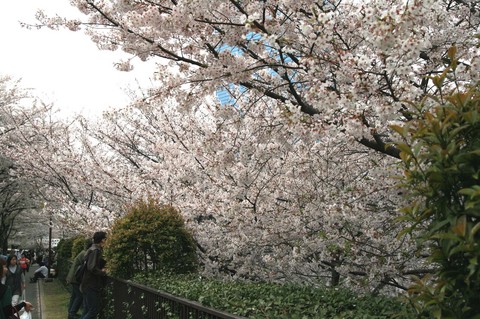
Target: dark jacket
pixel 14 280
pixel 94 277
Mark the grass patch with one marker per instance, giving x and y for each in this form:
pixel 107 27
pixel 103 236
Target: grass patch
pixel 55 300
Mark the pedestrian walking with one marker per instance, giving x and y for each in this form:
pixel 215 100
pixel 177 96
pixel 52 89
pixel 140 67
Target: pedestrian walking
pixel 15 279
pixel 6 307
pixel 24 262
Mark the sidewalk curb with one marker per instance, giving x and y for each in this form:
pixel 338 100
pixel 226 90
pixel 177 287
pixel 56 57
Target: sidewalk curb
pixel 40 299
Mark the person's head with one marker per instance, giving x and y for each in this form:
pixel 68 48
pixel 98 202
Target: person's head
pixel 12 260
pixel 99 237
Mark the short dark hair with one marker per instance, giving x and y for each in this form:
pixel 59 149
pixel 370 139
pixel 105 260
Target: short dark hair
pixel 99 236
pixel 10 257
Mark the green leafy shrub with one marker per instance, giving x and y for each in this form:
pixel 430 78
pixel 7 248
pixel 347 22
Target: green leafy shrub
pixel 64 251
pixel 64 248
pixel 150 237
pixel 441 160
pixel 79 244
pixel 266 300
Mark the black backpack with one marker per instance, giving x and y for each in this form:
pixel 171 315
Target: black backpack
pixel 80 271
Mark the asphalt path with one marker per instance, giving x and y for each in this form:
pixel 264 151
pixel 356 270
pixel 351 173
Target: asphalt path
pixel 33 293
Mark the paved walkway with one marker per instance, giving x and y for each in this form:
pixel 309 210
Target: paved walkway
pixel 33 293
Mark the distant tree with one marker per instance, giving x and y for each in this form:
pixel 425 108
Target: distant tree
pixel 18 188
pixel 46 150
pixel 16 197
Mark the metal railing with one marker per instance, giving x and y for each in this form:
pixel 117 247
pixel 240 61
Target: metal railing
pixel 129 300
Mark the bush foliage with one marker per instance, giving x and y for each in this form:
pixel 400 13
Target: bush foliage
pixel 150 237
pixel 64 249
pixel 63 254
pixel 441 159
pixel 79 244
pixel 264 300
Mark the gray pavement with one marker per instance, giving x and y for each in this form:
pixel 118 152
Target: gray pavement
pixel 33 293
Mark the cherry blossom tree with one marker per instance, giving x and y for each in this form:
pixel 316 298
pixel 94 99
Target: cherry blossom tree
pixel 267 198
pixel 271 184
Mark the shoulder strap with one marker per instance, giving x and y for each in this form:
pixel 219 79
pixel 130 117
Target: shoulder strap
pixel 90 250
pixel 87 254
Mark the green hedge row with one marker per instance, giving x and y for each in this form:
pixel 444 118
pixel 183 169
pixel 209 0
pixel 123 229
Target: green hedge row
pixel 263 300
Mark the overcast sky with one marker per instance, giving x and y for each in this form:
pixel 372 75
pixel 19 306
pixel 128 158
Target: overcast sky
pixel 63 67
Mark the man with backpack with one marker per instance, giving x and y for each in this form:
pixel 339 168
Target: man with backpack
pixel 93 280
pixel 76 298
